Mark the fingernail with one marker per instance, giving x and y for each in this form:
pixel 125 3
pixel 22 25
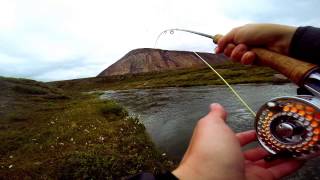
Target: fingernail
pixel 214 106
pixel 217 49
pixel 218 110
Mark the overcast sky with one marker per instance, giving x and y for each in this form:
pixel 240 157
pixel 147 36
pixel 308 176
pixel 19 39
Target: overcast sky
pixel 65 39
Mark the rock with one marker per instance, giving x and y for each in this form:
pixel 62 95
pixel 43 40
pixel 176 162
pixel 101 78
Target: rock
pixel 153 60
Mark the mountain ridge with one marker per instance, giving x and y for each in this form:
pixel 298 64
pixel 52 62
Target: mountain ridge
pixel 145 60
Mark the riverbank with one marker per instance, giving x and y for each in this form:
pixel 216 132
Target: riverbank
pixel 47 132
pixel 234 73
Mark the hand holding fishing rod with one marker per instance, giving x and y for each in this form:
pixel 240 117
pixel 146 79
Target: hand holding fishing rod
pixel 236 43
pixel 271 44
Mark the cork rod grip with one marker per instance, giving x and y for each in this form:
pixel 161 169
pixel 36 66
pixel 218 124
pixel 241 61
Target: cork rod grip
pixel 294 69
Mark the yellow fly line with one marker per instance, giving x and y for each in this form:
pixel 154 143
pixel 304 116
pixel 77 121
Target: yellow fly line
pixel 211 37
pixel 229 86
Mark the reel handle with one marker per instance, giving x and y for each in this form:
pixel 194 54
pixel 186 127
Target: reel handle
pixel 294 69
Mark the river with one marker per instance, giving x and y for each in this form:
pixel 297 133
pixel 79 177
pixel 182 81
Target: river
pixel 170 114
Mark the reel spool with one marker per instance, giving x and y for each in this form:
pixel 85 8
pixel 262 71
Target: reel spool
pixel 290 126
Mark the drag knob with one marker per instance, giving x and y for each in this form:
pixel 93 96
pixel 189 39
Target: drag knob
pixel 287 130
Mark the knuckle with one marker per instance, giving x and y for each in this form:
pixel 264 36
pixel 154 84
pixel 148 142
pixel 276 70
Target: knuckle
pixel 242 47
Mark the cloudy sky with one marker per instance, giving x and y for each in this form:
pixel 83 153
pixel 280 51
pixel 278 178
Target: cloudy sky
pixel 65 39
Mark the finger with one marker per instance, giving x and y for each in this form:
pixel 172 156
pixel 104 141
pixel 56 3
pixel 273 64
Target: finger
pixel 238 52
pixel 216 110
pixel 216 50
pixel 246 137
pixel 248 57
pixel 268 164
pixel 216 114
pixel 285 168
pixel 225 40
pixel 228 50
pixel 255 154
pixel 212 126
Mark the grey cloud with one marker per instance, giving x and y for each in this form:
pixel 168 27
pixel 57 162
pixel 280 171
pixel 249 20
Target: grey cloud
pixel 276 11
pixel 32 67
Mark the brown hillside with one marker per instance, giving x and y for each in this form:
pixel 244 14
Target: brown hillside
pixel 153 60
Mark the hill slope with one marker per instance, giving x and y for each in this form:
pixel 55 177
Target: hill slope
pixel 154 60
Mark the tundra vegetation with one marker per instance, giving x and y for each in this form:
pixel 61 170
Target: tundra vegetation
pixel 58 131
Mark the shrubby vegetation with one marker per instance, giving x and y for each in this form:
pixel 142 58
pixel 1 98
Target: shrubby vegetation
pixel 72 136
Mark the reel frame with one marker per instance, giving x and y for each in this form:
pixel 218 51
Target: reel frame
pixel 289 126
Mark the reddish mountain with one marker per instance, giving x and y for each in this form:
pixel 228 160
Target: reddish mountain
pixel 150 60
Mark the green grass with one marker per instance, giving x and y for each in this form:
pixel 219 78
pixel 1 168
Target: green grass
pixel 49 133
pixel 234 73
pixel 113 110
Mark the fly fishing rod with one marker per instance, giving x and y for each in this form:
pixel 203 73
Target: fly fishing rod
pixel 286 126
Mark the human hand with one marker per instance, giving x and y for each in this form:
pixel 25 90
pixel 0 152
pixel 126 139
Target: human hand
pixel 237 42
pixel 215 152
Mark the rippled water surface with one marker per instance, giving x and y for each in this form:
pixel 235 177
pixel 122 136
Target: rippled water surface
pixel 170 114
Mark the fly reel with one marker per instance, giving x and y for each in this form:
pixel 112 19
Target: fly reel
pixel 290 126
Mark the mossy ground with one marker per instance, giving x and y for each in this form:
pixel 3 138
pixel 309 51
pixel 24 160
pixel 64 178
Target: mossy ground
pixel 48 133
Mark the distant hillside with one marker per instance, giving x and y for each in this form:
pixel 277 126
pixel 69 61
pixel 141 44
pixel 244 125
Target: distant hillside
pixel 155 60
pixel 234 73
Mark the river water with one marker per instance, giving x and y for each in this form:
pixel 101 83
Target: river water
pixel 170 114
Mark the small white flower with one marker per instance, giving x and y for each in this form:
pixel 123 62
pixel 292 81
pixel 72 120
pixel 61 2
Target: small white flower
pixel 10 166
pixel 86 130
pixel 11 157
pixel 71 139
pixel 52 122
pixel 164 154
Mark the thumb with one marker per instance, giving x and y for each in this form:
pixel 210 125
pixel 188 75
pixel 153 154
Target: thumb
pixel 217 112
